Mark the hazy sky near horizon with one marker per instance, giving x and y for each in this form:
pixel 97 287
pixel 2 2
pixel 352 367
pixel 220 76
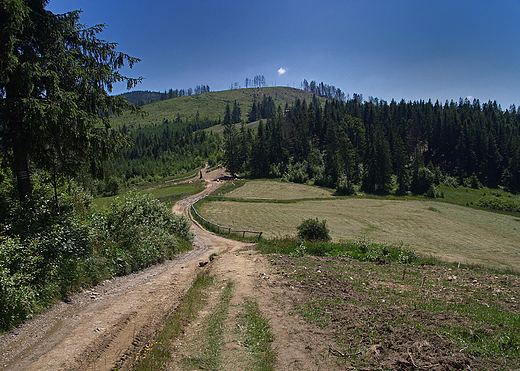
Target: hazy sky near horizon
pixel 399 49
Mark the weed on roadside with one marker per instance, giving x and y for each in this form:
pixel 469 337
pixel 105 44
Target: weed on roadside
pixel 257 336
pixel 155 355
pixel 212 335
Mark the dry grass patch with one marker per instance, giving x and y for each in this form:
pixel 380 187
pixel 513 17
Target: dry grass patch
pixel 448 232
pixel 278 191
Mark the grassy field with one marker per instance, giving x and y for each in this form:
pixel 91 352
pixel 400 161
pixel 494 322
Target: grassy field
pixel 446 231
pixel 210 105
pixel 220 128
pixel 278 191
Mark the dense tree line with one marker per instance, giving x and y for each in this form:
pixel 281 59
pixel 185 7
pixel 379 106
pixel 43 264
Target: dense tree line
pixel 323 90
pixel 257 82
pixel 170 148
pixel 141 97
pixel 372 143
pixel 262 110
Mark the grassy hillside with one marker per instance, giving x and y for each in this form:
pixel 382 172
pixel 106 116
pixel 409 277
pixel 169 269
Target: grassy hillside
pixel 210 105
pixel 446 231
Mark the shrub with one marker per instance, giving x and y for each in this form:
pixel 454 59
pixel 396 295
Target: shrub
pixel 432 192
pixel 313 230
pixel 362 250
pixel 450 181
pixel 472 182
pixel 297 173
pixel 137 231
pixel 345 187
pixel 496 202
pixel 323 180
pixel 276 170
pixel 112 187
pixel 422 180
pixel 46 254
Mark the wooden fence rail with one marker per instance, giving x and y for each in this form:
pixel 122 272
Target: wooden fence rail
pixel 219 227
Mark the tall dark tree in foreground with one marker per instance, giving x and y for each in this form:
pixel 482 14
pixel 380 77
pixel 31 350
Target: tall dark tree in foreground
pixel 55 75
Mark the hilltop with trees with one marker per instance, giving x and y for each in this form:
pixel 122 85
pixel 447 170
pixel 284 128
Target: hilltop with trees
pixel 372 143
pixel 321 135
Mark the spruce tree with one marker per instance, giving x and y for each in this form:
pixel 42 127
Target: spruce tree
pixel 230 143
pixel 236 115
pixel 55 76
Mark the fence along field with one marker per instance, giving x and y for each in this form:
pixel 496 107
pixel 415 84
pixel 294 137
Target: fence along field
pixel 446 231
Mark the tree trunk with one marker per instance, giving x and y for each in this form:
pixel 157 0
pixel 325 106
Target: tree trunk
pixel 21 169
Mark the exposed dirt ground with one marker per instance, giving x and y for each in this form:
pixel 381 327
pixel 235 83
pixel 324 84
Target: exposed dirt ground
pixel 99 329
pixel 324 313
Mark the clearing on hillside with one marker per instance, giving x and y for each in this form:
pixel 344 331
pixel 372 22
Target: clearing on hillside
pixel 278 191
pixel 446 231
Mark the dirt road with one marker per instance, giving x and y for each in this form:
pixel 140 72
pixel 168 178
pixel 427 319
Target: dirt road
pixel 101 328
pixel 106 327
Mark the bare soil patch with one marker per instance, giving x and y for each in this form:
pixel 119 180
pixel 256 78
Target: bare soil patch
pixel 300 345
pixel 377 317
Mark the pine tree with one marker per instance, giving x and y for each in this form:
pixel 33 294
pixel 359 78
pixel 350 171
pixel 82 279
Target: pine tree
pixel 236 115
pixel 401 170
pixel 230 143
pixel 55 76
pixel 259 159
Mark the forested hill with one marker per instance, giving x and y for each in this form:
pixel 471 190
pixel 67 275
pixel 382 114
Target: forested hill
pixel 169 139
pixel 141 97
pixel 208 108
pixel 375 143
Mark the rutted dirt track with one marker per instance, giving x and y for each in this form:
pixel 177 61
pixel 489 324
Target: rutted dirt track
pixel 100 329
pixel 105 327
pixel 366 317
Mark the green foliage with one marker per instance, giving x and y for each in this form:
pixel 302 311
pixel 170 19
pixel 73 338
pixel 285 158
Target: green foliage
pixel 422 181
pixel 345 186
pixel 113 186
pixel 432 192
pixel 313 230
pixel 450 181
pixel 47 253
pixel 159 152
pixel 499 202
pixel 137 231
pixel 362 250
pixel 55 77
pixel 18 296
pixel 472 182
pixel 297 173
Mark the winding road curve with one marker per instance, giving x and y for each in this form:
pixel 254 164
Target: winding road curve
pixel 103 328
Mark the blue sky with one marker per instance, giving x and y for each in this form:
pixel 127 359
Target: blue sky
pixel 400 49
